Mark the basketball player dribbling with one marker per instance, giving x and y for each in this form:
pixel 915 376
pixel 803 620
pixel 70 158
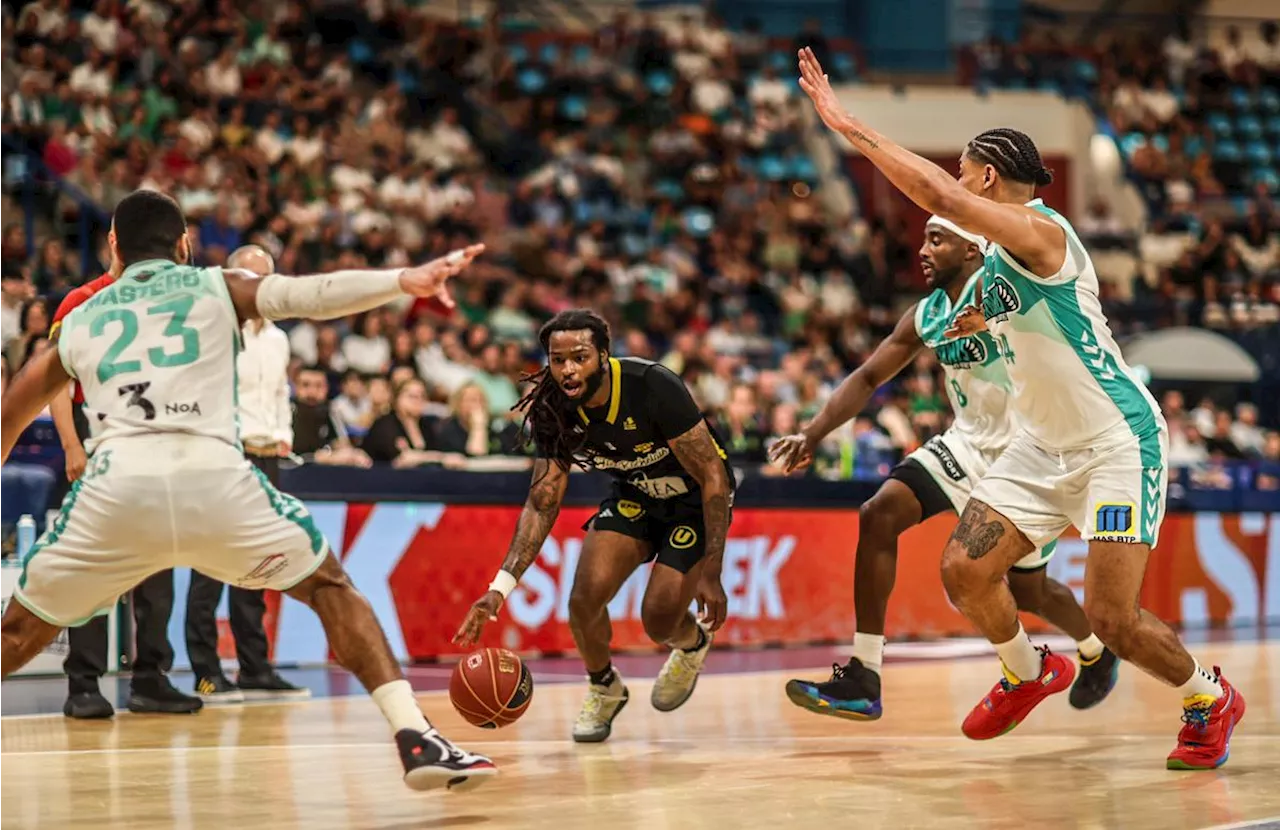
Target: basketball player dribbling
pixel 166 483
pixel 1091 450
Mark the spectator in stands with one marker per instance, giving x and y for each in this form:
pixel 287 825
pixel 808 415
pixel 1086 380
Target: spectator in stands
pixel 352 405
pixel 1245 433
pixel 499 388
pixel 403 437
pixel 368 350
pixel 470 429
pixel 16 290
pixel 34 327
pixel 739 427
pixel 319 435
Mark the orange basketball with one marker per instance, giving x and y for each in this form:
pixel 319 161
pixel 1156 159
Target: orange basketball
pixel 491 688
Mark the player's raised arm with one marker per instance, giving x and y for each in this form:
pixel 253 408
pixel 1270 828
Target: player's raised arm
pixel 541 508
pixel 1032 237
pixel 894 354
pixel 338 294
pixel 28 393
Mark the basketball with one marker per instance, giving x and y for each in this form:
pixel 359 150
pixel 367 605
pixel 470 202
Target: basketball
pixel 491 687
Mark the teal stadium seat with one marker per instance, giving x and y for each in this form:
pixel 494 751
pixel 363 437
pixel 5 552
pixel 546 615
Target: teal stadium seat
pixel 1258 154
pixel 1227 151
pixel 1220 124
pixel 1249 127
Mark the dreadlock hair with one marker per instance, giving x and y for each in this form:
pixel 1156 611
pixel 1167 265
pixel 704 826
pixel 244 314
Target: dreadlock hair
pixel 548 413
pixel 1012 153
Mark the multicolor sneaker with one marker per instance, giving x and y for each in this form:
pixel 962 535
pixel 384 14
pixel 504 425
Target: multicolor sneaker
pixel 1009 703
pixel 431 760
pixel 853 693
pixel 1205 739
pixel 1097 678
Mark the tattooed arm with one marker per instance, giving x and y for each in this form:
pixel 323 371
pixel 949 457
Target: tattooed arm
pixel 541 509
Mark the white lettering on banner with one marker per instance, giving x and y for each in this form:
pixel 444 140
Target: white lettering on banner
pixel 1229 569
pixel 751 567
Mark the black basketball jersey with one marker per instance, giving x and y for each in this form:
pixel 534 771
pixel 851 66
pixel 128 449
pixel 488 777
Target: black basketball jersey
pixel 627 438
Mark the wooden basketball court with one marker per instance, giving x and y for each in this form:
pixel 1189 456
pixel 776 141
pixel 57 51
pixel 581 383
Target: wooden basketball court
pixel 738 755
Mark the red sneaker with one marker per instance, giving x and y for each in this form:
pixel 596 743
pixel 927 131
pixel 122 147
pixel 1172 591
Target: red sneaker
pixel 1009 703
pixel 1205 739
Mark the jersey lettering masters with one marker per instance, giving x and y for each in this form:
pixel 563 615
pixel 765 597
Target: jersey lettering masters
pixel 155 353
pixel 977 379
pixel 1071 386
pixel 648 406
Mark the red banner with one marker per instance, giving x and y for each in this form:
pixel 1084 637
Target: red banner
pixel 788 575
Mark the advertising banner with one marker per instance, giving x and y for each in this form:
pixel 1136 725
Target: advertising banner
pixel 788 575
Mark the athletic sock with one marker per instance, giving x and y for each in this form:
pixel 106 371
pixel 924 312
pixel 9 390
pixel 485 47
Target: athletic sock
pixel 399 706
pixel 1201 682
pixel 1020 658
pixel 604 677
pixel 702 640
pixel 1090 649
pixel 869 649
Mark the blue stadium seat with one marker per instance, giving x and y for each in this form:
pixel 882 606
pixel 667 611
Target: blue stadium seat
pixel 582 53
pixel 1086 72
pixel 1269 100
pixel 1257 154
pixel 1050 85
pixel 1267 177
pixel 803 169
pixel 660 82
pixel 359 52
pixel 1220 123
pixel 1227 151
pixel 549 53
pixel 669 189
pixel 1193 145
pixel 772 168
pixel 783 61
pixel 842 63
pixel 574 107
pixel 634 244
pixel 698 222
pixel 1249 127
pixel 518 52
pixel 406 80
pixel 531 81
pixel 1241 100
pixel 1130 142
pixel 1273 125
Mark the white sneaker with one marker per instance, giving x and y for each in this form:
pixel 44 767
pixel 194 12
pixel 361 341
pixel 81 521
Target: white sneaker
pixel 602 705
pixel 679 676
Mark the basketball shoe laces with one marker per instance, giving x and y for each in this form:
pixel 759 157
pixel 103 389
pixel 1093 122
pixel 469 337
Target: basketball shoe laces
pixel 591 707
pixel 680 666
pixel 1195 715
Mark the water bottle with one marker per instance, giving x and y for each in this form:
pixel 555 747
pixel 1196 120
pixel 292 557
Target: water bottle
pixel 26 534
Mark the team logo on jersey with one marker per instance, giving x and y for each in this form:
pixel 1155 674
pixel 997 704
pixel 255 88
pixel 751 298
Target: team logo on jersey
pixel 999 300
pixel 1114 521
pixel 641 449
pixel 948 461
pixel 683 537
pixel 630 509
pixel 629 424
pixel 962 353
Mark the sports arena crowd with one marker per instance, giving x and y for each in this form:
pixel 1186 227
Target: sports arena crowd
pixel 649 171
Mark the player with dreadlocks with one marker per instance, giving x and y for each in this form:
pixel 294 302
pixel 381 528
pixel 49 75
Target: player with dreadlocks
pixel 670 503
pixel 1091 450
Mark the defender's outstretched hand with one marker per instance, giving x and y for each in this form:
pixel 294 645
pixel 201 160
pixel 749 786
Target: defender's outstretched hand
pixel 817 86
pixel 431 279
pixel 482 611
pixel 791 453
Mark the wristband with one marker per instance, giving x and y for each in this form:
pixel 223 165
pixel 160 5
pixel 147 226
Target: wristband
pixel 504 583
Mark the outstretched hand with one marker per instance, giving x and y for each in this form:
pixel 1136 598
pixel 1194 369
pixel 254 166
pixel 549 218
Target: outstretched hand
pixel 791 453
pixel 431 279
pixel 483 610
pixel 817 86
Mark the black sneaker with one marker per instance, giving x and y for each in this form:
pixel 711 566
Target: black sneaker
pixel 431 761
pixel 1096 680
pixel 153 693
pixel 853 692
pixel 217 688
pixel 268 686
pixel 88 706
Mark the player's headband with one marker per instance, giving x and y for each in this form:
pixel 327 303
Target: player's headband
pixel 948 225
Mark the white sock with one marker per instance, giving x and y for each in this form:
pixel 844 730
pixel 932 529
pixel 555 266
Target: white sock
pixel 1201 683
pixel 869 649
pixel 399 706
pixel 1020 658
pixel 1089 648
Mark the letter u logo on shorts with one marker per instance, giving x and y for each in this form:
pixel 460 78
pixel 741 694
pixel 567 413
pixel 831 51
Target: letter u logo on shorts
pixel 684 537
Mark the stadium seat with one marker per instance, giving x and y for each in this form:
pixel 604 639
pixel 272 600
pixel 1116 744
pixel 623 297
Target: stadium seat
pixel 698 222
pixel 1050 85
pixel 582 53
pixel 531 81
pixel 660 82
pixel 1273 125
pixel 845 68
pixel 1220 124
pixel 359 52
pixel 1267 177
pixel 782 62
pixel 669 189
pixel 518 52
pixel 1257 154
pixel 1193 145
pixel 406 80
pixel 1130 142
pixel 1249 127
pixel 772 168
pixel 1227 151
pixel 803 169
pixel 1269 100
pixel 1241 100
pixel 1085 72
pixel 549 53
pixel 574 107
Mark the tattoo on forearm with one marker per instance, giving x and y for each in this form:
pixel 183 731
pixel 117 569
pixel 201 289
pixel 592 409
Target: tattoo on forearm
pixel 978 536
pixel 697 452
pixel 536 519
pixel 858 136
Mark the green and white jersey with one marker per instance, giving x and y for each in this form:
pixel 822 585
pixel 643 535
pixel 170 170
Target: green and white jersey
pixel 155 352
pixel 977 380
pixel 1071 386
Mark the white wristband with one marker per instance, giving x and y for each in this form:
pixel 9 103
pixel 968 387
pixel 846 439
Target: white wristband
pixel 504 583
